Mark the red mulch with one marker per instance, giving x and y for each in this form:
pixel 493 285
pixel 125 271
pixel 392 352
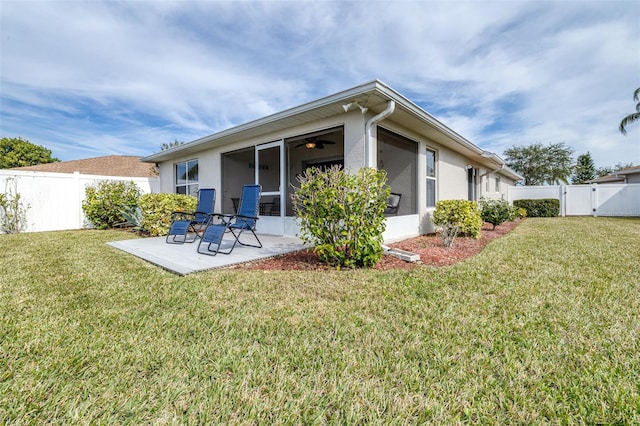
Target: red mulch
pixel 429 247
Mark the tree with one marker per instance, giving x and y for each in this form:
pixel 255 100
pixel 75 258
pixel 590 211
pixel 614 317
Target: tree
pixel 17 152
pixel 585 169
pixel 170 145
pixel 540 164
pixel 635 116
pixel 607 170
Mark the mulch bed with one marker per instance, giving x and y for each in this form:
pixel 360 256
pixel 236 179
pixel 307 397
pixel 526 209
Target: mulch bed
pixel 429 247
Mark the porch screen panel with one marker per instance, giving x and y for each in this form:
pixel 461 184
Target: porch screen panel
pixel 398 156
pixel 269 169
pixel 238 169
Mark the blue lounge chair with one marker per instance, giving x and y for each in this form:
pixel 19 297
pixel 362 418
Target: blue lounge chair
pixel 184 222
pixel 244 220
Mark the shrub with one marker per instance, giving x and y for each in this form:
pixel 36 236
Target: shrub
pixel 546 207
pixel 104 202
pixel 520 212
pixel 343 214
pixel 156 210
pixel 496 212
pixel 13 213
pixel 462 214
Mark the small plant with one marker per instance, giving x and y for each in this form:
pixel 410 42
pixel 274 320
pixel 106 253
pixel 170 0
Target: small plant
pixel 13 213
pixel 133 217
pixel 462 214
pixel 342 214
pixel 106 200
pixel 156 211
pixel 496 212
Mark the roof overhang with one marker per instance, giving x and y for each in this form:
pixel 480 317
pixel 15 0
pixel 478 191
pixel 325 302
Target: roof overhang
pixel 373 95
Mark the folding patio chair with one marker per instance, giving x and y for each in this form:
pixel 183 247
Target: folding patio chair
pixel 183 222
pixel 236 224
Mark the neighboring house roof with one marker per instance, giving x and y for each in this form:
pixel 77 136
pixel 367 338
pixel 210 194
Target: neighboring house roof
pixel 110 165
pixel 374 96
pixel 619 176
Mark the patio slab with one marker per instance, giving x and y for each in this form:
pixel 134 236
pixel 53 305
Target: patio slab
pixel 183 259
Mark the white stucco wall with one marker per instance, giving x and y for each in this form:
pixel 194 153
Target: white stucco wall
pixel 451 167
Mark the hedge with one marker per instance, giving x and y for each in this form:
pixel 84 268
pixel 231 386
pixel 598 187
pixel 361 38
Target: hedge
pixel 545 207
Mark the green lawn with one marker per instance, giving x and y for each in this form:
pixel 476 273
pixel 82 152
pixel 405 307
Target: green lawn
pixel 543 326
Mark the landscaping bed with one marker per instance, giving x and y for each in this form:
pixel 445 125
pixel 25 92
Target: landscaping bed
pixel 429 247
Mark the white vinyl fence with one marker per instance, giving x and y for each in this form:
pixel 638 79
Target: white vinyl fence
pixel 586 200
pixel 54 200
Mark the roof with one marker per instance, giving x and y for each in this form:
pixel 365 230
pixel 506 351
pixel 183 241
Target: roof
pixel 618 176
pixel 374 95
pixel 110 165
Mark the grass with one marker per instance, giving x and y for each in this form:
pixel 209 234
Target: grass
pixel 543 326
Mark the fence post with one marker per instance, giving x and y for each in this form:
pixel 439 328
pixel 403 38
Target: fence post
pixel 79 198
pixel 562 196
pixel 594 199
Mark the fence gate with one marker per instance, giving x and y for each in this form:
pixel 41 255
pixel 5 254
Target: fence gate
pixel 618 200
pixel 578 200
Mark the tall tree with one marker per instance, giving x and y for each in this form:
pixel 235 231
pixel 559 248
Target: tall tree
pixel 540 164
pixel 634 116
pixel 169 145
pixel 585 169
pixel 17 152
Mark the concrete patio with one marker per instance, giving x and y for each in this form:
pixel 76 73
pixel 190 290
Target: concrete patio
pixel 183 259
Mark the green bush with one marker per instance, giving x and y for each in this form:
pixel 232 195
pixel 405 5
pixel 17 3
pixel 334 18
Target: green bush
pixel 156 210
pixel 104 202
pixel 462 214
pixel 520 212
pixel 546 207
pixel 496 212
pixel 343 214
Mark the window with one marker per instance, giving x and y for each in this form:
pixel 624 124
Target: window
pixel 431 178
pixel 187 177
pixel 497 183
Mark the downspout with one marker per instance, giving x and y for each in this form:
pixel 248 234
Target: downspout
pixel 369 151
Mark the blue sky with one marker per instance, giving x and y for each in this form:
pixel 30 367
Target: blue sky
pixel 98 78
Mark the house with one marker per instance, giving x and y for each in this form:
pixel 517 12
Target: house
pixel 110 165
pixel 628 175
pixel 369 125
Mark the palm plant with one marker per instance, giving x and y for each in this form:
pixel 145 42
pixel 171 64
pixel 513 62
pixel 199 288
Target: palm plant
pixel 633 116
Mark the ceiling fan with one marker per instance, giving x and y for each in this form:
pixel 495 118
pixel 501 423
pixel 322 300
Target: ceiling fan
pixel 311 143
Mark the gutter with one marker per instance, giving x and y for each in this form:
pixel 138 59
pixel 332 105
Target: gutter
pixel 500 162
pixel 368 133
pixel 494 158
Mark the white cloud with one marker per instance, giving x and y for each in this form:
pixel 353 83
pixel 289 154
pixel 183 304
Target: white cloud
pixel 125 77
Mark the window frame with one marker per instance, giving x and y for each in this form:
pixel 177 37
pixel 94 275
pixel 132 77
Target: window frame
pixel 497 184
pixel 190 185
pixel 431 153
